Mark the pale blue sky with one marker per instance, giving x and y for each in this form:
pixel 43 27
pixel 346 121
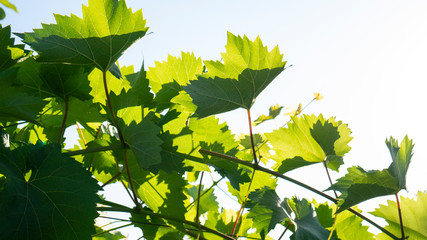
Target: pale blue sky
pixel 367 57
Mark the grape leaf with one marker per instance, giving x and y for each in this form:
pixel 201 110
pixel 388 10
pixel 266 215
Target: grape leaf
pixel 347 225
pixel 308 226
pixel 401 157
pixel 266 210
pixel 106 30
pixel 274 111
pixel 309 140
pixel 55 80
pixel 142 139
pixel 166 78
pixel 103 163
pixel 208 202
pixel 17 105
pixel 154 227
pixel 60 194
pixel 9 53
pixel 359 185
pixel 247 70
pixel 139 84
pixel 414 217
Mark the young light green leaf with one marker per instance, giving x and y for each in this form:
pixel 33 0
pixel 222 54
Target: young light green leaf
pixel 247 70
pixel 359 185
pixel 60 194
pixel 166 78
pixel 106 30
pixel 309 140
pixel 274 111
pixel 7 4
pixel 414 216
pixel 401 157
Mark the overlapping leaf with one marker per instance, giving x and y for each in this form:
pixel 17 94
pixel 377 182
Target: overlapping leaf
pixel 359 185
pixel 58 195
pixel 9 53
pixel 308 140
pixel 247 70
pixel 106 30
pixel 17 105
pixel 55 80
pixel 166 78
pixel 414 216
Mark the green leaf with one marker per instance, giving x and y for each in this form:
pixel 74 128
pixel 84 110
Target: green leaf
pixel 166 78
pixel 274 111
pixel 308 140
pixel 55 80
pixel 103 163
pixel 359 185
pixel 247 70
pixel 347 225
pixel 308 226
pixel 106 30
pixel 101 234
pixel 154 227
pixel 260 180
pixel 143 140
pixel 208 202
pixel 401 157
pixel 414 217
pixel 7 4
pixel 266 210
pixel 17 105
pixel 209 134
pixel 60 195
pixel 9 53
pixel 139 84
pixel 2 14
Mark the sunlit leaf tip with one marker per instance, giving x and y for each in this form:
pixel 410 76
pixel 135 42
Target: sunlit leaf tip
pixel 106 30
pixel 247 69
pixel 401 158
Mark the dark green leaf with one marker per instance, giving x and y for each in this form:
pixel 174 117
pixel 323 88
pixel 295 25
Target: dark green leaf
pixel 308 226
pixel 9 53
pixel 359 185
pixel 17 105
pixel 60 194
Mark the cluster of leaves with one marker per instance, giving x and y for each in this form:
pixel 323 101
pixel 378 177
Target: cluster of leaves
pixel 156 133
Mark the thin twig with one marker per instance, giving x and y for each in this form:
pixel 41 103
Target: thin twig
pixel 111 179
pixel 286 229
pixel 198 205
pixel 64 120
pixel 400 216
pixel 153 214
pixel 239 214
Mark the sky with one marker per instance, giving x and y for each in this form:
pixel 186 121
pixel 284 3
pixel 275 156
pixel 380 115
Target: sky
pixel 368 59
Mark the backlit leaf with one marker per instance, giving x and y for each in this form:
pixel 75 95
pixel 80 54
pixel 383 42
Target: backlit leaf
pixel 401 157
pixel 308 140
pixel 248 68
pixel 274 111
pixel 414 216
pixel 106 30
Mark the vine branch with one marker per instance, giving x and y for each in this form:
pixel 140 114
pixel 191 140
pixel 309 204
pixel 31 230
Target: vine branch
pixel 64 120
pixel 266 170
